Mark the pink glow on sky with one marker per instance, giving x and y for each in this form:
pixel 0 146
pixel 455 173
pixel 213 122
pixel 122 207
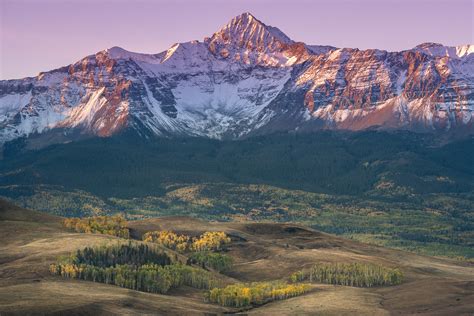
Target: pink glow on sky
pixel 40 35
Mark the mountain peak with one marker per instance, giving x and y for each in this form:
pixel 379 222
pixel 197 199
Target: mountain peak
pixel 117 52
pixel 244 19
pixel 246 31
pixel 246 15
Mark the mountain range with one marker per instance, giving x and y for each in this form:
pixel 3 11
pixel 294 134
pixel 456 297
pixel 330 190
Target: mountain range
pixel 246 79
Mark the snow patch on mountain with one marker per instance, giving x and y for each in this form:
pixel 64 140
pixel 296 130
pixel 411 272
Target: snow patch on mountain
pixel 213 108
pixel 439 50
pixel 85 113
pixel 10 103
pixel 120 53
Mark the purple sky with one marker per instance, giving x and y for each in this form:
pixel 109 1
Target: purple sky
pixel 40 35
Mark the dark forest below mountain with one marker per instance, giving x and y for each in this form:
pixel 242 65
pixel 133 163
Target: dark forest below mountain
pixel 397 189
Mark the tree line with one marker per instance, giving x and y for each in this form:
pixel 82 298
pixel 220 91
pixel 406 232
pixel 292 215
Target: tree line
pixel 151 277
pixel 108 225
pixel 245 294
pixel 135 254
pixel 350 274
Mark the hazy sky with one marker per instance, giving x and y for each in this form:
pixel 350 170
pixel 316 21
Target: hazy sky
pixel 40 35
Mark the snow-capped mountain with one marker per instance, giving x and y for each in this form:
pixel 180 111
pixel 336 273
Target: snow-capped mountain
pixel 248 78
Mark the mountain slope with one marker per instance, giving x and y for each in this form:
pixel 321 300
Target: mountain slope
pixel 248 78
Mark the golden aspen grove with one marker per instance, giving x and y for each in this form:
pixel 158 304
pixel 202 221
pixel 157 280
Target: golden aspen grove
pixel 108 225
pixel 147 266
pixel 245 294
pixel 208 241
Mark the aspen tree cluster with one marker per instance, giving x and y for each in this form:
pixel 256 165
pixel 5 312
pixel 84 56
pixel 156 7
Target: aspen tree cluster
pixel 210 260
pixel 350 274
pixel 245 294
pixel 134 266
pixel 108 225
pixel 208 241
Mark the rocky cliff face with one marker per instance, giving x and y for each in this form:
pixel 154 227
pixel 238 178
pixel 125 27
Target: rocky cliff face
pixel 248 78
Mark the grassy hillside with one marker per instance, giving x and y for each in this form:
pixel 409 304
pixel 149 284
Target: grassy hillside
pixel 261 252
pixel 396 189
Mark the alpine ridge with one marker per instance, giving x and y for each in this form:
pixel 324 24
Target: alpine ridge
pixel 246 79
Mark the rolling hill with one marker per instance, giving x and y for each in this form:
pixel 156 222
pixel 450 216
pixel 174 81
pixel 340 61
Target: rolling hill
pixel 261 252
